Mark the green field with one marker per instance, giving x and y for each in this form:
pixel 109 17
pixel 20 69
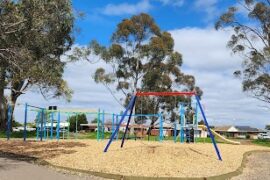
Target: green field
pixel 93 135
pixel 19 134
pixel 262 142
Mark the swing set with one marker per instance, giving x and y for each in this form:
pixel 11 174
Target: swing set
pixel 129 111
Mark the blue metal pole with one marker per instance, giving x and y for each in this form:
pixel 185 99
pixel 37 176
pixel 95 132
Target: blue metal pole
pixel 58 126
pixel 112 130
pixel 117 119
pixel 182 116
pixel 45 125
pixel 103 123
pixel 98 124
pixel 37 125
pixel 174 131
pixel 208 128
pixel 68 125
pixel 52 117
pixel 41 124
pixel 25 122
pixel 131 111
pixel 120 122
pixel 76 126
pixel 196 122
pixel 161 128
pixel 9 112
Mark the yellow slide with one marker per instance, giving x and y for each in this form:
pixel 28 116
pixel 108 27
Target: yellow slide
pixel 219 136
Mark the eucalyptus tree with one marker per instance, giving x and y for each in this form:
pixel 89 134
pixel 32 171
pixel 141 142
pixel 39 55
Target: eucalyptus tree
pixel 251 39
pixel 141 57
pixel 33 36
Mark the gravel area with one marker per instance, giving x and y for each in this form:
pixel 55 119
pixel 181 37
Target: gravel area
pixel 257 167
pixel 154 159
pixel 137 158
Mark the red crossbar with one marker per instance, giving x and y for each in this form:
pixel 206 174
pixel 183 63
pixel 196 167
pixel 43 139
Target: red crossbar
pixel 165 93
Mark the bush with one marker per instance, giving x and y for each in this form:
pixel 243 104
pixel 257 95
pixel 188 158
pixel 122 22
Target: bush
pixel 81 119
pixel 247 136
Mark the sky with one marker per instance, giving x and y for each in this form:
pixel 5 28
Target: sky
pixel 205 55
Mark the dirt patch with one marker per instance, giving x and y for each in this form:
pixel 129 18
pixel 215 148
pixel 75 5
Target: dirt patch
pixel 43 150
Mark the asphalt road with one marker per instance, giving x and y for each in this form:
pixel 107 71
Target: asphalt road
pixel 257 167
pixel 11 169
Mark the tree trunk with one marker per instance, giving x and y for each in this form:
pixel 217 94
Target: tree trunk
pixel 2 100
pixel 15 93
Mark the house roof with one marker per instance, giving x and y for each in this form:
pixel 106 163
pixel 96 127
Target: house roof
pixel 246 129
pixel 222 128
pixel 237 129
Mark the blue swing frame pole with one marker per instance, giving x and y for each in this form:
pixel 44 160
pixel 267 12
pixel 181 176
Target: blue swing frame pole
pixel 133 99
pixel 131 111
pixel 208 128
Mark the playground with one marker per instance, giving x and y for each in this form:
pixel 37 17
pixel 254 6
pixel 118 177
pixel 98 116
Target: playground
pixel 156 151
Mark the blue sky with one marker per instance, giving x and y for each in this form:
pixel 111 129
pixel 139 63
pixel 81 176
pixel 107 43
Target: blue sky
pixel 103 16
pixel 204 51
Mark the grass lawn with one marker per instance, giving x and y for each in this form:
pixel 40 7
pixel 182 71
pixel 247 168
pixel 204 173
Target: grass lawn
pixel 93 135
pixel 262 142
pixel 19 134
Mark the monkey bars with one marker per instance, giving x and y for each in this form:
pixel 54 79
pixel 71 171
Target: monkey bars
pixel 132 104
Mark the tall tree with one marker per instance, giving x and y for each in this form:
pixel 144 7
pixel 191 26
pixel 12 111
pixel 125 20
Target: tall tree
pixel 251 38
pixel 80 119
pixel 33 36
pixel 142 58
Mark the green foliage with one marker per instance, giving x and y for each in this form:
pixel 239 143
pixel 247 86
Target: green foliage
pixel 201 122
pixel 33 36
pixel 267 127
pixel 94 121
pixel 262 142
pixel 251 39
pixel 80 118
pixel 16 123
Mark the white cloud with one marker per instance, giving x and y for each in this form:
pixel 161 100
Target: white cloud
pixel 126 8
pixel 206 57
pixel 207 6
pixel 177 3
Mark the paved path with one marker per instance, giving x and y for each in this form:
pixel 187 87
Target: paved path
pixel 258 167
pixel 15 169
